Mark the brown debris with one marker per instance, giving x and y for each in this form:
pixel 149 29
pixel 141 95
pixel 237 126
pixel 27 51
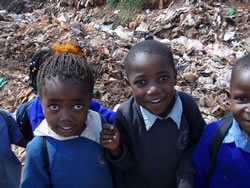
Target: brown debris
pixel 195 32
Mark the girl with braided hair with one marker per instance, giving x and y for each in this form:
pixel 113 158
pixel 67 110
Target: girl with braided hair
pixel 66 150
pixel 29 115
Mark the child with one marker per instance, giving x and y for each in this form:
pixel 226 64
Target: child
pixel 10 166
pixel 29 115
pixel 75 157
pixel 156 137
pixel 233 158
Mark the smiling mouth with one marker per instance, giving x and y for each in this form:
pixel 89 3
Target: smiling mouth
pixel 155 101
pixel 66 129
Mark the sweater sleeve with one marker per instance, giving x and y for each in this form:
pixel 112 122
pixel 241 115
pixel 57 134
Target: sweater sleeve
pixel 15 133
pixel 107 113
pixel 35 113
pixel 35 174
pixel 126 161
pixel 185 172
pixel 201 156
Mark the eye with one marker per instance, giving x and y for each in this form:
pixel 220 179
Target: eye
pixel 140 83
pixel 54 107
pixel 78 107
pixel 163 78
pixel 241 99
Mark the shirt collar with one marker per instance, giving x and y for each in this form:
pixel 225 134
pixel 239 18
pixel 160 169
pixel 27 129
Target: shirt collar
pixel 175 114
pixel 92 130
pixel 236 135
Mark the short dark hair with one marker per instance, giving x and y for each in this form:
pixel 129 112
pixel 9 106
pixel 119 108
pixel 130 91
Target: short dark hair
pixel 65 66
pixel 35 64
pixel 241 65
pixel 149 47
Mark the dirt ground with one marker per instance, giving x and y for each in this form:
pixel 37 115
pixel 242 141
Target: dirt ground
pixel 206 40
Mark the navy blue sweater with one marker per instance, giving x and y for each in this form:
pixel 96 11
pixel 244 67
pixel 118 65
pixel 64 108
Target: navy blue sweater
pixel 160 157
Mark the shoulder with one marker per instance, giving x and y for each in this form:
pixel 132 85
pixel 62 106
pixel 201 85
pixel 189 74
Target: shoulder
pixel 14 132
pixel 128 107
pixel 186 98
pixel 8 115
pixel 35 103
pixel 34 145
pixel 210 129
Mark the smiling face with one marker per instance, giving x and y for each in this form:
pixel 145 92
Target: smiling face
pixel 240 97
pixel 152 80
pixel 65 104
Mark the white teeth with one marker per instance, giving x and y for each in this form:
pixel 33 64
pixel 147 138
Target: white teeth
pixel 66 128
pixel 156 101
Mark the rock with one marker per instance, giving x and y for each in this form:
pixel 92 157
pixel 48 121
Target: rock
pixel 190 77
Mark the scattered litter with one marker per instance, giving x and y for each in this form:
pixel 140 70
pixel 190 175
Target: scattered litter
pixel 3 81
pixel 206 38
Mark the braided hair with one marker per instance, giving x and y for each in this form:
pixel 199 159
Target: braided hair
pixel 65 66
pixel 39 58
pixel 35 64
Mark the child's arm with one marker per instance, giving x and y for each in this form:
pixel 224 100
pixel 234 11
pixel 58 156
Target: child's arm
pixel 16 136
pixel 201 156
pixel 35 174
pixel 121 156
pixel 107 113
pixel 110 139
pixel 186 172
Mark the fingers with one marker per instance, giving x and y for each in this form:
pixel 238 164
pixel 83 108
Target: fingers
pixel 110 137
pixel 108 127
pixel 110 130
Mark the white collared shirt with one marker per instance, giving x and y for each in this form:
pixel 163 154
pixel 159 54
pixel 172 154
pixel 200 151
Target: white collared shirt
pixel 175 114
pixel 92 130
pixel 236 135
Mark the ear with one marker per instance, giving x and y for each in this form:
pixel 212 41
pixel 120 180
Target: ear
pixel 175 76
pixel 127 81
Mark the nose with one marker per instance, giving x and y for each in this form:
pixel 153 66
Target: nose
pixel 153 89
pixel 65 115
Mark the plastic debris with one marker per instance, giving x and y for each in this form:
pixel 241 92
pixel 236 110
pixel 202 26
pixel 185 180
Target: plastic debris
pixel 229 36
pixel 204 39
pixel 3 81
pixel 230 12
pixel 219 50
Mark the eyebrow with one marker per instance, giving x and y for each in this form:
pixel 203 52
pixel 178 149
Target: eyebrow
pixel 58 100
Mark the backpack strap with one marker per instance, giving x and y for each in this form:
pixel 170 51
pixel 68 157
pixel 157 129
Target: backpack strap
pixel 191 115
pixel 7 120
pixel 217 140
pixel 46 157
pixel 23 121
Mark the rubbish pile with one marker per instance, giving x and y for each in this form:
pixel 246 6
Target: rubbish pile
pixel 206 40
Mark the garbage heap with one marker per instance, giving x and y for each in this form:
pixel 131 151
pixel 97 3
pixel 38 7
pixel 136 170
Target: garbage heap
pixel 206 39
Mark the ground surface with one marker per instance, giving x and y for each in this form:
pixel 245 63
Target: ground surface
pixel 194 31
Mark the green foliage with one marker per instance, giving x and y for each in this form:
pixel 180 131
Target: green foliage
pixel 112 3
pixel 129 9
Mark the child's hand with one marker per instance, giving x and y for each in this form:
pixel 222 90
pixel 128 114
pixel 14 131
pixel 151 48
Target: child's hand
pixel 110 139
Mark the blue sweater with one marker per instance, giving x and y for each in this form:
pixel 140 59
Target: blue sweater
pixel 10 167
pixel 36 115
pixel 232 164
pixel 75 162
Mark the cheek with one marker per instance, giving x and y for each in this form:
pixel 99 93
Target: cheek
pixel 138 93
pixel 81 117
pixel 51 117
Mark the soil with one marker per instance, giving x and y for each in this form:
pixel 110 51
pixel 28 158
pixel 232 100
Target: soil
pixel 201 72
